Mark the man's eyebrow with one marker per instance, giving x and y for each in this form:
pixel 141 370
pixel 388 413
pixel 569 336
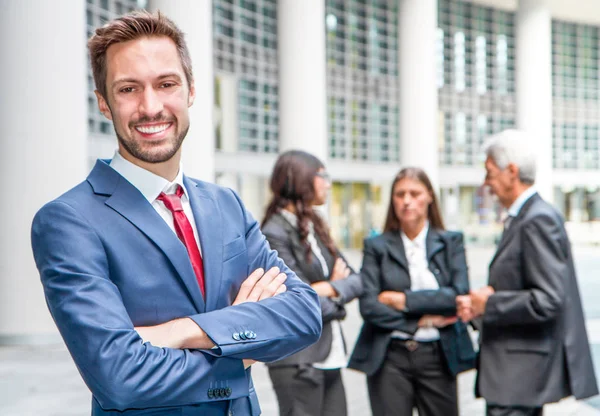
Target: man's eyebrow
pixel 135 81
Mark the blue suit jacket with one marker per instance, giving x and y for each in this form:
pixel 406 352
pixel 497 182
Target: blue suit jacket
pixel 109 262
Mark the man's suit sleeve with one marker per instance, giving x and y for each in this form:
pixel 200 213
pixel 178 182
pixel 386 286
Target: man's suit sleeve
pixel 283 324
pixel 329 309
pixel 443 300
pixel 371 309
pixel 545 268
pixel 87 307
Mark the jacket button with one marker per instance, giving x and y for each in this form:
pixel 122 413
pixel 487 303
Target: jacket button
pixel 228 391
pixel 236 336
pixel 211 393
pixel 223 392
pixel 253 334
pixel 242 335
pixel 248 334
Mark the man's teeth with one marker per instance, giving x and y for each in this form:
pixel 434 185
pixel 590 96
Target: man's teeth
pixel 152 129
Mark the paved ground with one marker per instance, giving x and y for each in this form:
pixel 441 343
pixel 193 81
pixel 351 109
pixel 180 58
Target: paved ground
pixel 42 381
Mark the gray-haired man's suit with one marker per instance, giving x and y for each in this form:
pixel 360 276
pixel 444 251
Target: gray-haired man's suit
pixel 534 345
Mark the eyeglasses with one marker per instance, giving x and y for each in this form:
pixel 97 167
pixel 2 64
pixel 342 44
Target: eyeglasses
pixel 324 175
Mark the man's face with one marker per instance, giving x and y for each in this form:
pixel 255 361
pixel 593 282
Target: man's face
pixel 500 181
pixel 147 98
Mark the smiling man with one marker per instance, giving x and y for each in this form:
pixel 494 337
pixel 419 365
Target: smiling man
pixel 157 281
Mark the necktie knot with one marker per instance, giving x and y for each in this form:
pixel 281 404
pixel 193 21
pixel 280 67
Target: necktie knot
pixel 172 201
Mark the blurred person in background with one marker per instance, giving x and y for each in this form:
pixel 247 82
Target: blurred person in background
pixel 411 345
pixel 533 342
pixel 309 383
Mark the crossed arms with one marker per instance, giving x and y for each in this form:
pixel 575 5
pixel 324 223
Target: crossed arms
pixel 123 372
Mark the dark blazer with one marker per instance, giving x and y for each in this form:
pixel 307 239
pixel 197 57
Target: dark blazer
pixel 285 239
pixel 385 267
pixel 534 345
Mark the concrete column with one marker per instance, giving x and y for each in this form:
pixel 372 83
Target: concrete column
pixel 576 205
pixel 43 130
pixel 302 84
pixel 227 120
pixel 194 18
pixel 534 84
pixel 418 101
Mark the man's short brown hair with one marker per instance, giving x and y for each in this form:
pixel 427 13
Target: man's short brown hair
pixel 133 26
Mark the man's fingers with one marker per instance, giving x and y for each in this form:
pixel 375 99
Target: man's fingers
pixel 281 289
pixel 248 285
pixel 262 283
pixel 271 288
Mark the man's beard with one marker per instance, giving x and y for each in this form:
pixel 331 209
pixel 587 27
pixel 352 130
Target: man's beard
pixel 135 149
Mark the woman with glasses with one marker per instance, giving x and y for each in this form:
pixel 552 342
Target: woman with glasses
pixel 411 345
pixel 309 383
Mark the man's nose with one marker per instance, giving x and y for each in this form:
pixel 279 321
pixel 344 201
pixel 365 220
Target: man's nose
pixel 150 104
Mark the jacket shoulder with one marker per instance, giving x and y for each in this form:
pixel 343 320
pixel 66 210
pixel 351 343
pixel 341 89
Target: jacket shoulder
pixel 377 242
pixel 275 226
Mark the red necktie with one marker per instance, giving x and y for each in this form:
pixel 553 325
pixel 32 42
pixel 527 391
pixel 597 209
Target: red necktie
pixel 184 231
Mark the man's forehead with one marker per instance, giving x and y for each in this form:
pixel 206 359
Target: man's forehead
pixel 145 55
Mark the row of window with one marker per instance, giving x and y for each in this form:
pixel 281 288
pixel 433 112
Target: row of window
pixel 475 52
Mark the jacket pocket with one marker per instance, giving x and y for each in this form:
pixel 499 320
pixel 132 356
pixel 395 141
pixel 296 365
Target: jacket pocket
pixel 521 346
pixel 234 248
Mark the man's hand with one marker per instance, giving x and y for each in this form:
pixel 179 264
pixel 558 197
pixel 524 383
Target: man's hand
pixel 479 299
pixel 260 285
pixel 396 300
pixel 325 289
pixel 436 321
pixel 179 333
pixel 185 333
pixel 464 308
pixel 340 270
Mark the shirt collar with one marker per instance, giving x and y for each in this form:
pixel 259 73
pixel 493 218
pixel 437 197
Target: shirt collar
pixel 419 240
pixel 149 184
pixel 516 206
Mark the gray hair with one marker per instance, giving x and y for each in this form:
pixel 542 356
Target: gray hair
pixel 513 146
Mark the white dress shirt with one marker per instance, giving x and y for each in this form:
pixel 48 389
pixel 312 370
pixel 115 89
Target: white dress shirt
pixel 337 354
pixel 151 185
pixel 421 278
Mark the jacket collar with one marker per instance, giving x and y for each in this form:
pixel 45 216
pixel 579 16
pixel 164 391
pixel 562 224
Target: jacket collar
pixel 508 234
pixel 434 243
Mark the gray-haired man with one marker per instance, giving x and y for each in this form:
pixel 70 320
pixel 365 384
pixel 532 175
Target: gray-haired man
pixel 534 348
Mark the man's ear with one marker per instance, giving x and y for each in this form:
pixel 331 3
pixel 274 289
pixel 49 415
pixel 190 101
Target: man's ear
pixel 191 94
pixel 513 170
pixel 103 105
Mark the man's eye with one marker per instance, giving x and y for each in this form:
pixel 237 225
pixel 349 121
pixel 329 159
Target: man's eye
pixel 126 89
pixel 167 85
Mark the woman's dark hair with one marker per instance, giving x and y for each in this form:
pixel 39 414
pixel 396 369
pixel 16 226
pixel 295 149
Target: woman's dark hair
pixel 292 182
pixel 392 222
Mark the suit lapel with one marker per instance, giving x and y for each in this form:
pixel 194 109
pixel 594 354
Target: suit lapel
pixel 208 224
pixel 434 244
pixel 396 248
pixel 508 234
pixel 125 199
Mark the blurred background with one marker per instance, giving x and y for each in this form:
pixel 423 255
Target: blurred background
pixel 367 85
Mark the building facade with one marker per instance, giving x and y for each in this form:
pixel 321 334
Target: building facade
pixel 369 86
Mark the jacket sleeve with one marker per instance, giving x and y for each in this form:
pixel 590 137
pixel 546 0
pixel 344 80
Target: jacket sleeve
pixel 371 309
pixel 120 370
pixel 284 324
pixel 349 288
pixel 443 300
pixel 280 243
pixel 545 269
